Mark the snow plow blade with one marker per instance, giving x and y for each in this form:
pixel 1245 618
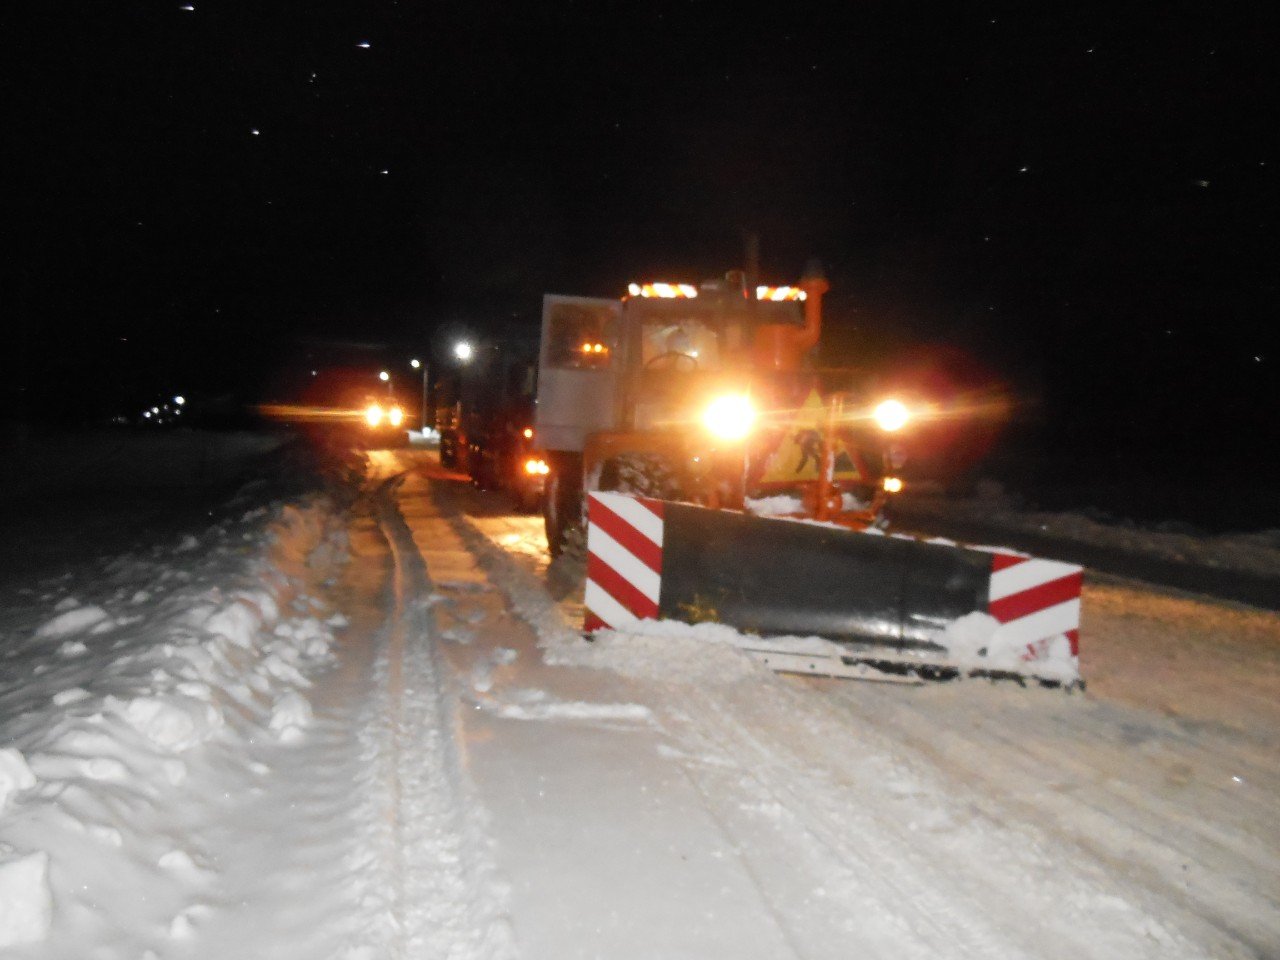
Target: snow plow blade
pixel 886 606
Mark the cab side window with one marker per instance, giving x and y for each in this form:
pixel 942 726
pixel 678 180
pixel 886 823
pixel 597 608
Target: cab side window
pixel 580 336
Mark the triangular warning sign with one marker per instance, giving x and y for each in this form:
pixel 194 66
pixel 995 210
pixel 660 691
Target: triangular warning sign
pixel 798 455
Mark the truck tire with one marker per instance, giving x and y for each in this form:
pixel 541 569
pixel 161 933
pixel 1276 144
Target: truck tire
pixel 562 506
pixel 482 472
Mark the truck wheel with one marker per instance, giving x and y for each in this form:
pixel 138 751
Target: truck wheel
pixel 641 474
pixel 562 509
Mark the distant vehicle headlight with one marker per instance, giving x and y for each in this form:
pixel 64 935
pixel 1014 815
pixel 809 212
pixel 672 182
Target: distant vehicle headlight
pixel 730 417
pixel 395 417
pixel 373 415
pixel 891 415
pixel 536 467
pixel 892 485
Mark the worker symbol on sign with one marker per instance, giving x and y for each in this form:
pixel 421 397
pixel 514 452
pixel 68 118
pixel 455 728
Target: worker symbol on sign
pixel 798 454
pixel 809 443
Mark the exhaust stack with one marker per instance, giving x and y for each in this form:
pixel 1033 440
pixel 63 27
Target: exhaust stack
pixel 781 347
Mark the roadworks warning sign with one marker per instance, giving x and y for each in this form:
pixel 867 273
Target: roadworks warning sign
pixel 798 455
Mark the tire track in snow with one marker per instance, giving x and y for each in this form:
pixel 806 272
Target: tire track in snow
pixel 442 897
pixel 905 913
pixel 894 927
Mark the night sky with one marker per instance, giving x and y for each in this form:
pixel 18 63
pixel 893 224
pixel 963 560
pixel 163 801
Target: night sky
pixel 1078 205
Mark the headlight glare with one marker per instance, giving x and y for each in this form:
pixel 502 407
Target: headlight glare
pixel 373 415
pixel 395 417
pixel 730 417
pixel 891 415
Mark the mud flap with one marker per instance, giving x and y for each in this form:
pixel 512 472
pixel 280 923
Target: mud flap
pixel 888 600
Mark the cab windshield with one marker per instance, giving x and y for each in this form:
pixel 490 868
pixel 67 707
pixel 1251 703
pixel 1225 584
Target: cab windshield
pixel 685 344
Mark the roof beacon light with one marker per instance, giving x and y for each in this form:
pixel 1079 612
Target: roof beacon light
pixel 778 294
pixel 666 291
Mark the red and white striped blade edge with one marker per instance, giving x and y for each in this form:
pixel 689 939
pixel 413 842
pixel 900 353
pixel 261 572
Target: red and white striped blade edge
pixel 1037 600
pixel 624 560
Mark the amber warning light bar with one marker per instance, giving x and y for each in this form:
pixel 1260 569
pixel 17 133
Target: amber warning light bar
pixel 778 294
pixel 663 290
pixel 673 291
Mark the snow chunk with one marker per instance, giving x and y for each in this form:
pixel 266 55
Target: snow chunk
pixel 26 906
pixel 290 714
pixel 71 695
pixel 236 623
pixel 183 926
pixel 104 768
pixel 774 506
pixel 968 638
pixel 15 775
pixel 76 620
pixel 171 723
pixel 179 861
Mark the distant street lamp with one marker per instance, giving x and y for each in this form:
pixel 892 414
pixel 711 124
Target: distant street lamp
pixel 463 350
pixel 416 364
pixel 385 378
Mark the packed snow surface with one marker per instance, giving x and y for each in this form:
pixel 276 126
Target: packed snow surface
pixel 364 723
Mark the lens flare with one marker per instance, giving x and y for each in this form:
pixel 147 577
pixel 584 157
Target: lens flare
pixel 892 415
pixel 730 417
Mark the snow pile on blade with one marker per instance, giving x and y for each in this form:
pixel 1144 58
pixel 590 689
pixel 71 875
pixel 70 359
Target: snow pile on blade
pixel 115 703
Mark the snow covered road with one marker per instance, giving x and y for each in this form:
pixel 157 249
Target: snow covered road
pixel 418 756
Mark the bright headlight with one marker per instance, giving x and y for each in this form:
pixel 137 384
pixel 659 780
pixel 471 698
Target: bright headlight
pixel 729 417
pixel 373 415
pixel 395 417
pixel 891 415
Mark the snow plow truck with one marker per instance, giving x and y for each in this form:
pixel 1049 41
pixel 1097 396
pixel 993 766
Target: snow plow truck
pixel 684 426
